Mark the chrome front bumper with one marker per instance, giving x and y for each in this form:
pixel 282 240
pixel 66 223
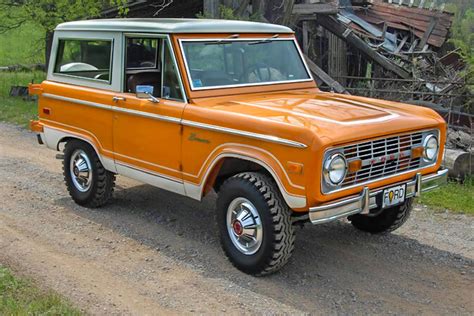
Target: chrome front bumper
pixel 367 200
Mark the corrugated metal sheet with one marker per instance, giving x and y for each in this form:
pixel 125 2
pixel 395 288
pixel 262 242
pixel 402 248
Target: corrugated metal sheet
pixel 412 19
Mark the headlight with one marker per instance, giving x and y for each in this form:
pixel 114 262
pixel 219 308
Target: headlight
pixel 431 147
pixel 335 169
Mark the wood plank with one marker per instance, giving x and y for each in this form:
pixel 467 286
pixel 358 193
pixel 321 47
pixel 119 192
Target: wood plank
pixel 313 8
pixel 332 25
pixel 402 43
pixel 321 74
pixel 428 32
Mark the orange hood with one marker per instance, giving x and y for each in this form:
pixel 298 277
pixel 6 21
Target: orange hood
pixel 327 118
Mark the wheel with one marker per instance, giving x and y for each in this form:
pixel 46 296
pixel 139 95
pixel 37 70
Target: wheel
pixel 385 221
pixel 87 181
pixel 256 231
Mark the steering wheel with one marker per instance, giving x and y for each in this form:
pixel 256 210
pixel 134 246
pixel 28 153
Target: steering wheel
pixel 256 69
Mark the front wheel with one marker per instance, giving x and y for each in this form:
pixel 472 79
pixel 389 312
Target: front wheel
pixel 385 221
pixel 255 225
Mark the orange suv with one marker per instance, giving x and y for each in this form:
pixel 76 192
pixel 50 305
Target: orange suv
pixel 192 106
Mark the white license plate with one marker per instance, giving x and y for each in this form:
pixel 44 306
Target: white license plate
pixel 394 196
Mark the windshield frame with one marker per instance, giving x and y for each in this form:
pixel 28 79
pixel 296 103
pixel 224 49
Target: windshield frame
pixel 245 39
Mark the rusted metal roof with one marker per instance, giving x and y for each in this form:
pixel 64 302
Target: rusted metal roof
pixel 416 20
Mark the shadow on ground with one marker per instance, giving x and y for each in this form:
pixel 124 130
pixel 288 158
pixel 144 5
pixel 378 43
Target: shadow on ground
pixel 334 266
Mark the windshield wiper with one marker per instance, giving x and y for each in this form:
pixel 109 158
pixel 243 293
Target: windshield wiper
pixel 266 40
pixel 223 41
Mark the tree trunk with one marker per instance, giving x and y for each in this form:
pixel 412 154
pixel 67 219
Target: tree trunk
pixel 459 163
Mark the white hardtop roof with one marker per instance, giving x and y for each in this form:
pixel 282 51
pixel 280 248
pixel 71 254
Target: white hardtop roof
pixel 173 26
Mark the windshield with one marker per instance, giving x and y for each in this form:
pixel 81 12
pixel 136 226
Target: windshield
pixel 224 63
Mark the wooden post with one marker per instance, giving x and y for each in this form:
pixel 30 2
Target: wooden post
pixel 337 61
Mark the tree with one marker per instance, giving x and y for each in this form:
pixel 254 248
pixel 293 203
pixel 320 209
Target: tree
pixel 49 13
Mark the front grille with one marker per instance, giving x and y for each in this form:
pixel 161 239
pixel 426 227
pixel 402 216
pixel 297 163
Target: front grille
pixel 382 157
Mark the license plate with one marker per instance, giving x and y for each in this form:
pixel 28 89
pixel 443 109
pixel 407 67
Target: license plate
pixel 394 196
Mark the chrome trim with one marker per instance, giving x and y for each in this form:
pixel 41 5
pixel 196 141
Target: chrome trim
pixel 417 185
pixel 244 226
pixel 422 167
pixel 367 200
pixel 244 84
pixel 232 131
pixel 326 170
pixel 425 142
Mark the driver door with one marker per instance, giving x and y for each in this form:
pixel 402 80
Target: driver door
pixel 147 132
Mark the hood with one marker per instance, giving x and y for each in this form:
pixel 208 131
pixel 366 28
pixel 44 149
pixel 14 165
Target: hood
pixel 333 118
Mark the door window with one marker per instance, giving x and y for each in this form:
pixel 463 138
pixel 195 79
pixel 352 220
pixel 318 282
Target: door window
pixel 150 67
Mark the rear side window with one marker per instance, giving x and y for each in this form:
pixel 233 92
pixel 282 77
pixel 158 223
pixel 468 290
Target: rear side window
pixel 84 58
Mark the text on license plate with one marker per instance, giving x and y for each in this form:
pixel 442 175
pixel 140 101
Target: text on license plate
pixel 393 196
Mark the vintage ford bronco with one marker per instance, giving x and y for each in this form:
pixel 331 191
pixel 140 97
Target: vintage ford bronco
pixel 193 106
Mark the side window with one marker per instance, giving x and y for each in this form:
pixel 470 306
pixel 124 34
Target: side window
pixel 143 66
pixel 84 58
pixel 171 87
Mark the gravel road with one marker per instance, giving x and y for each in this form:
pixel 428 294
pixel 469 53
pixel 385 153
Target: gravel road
pixel 151 251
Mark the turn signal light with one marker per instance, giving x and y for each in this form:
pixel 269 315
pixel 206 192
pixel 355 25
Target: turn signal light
pixel 295 168
pixel 417 152
pixel 354 166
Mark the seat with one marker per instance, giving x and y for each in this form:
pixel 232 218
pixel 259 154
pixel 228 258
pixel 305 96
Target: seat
pixel 145 78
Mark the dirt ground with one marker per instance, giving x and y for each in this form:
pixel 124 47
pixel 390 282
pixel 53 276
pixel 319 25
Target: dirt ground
pixel 150 251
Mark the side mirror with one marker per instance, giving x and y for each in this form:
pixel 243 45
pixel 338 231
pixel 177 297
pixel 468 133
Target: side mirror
pixel 146 92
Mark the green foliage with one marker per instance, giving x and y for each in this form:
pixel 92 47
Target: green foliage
pixel 49 13
pixel 24 45
pixel 462 30
pixel 227 13
pixel 456 197
pixel 21 297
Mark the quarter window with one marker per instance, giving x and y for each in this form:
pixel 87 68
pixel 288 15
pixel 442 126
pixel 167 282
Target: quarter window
pixel 171 88
pixel 84 58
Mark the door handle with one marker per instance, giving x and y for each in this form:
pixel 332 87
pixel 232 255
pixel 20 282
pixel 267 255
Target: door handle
pixel 116 99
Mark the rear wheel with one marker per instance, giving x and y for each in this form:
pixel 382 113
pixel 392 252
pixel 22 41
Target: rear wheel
pixel 255 225
pixel 87 181
pixel 385 221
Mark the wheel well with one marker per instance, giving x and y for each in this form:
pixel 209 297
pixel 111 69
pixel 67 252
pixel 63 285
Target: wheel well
pixel 64 140
pixel 229 167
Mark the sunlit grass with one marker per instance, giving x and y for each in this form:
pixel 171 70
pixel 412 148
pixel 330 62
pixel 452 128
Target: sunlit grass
pixel 19 296
pixel 455 197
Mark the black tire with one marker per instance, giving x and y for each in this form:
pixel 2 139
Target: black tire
pixel 278 239
pixel 386 221
pixel 102 183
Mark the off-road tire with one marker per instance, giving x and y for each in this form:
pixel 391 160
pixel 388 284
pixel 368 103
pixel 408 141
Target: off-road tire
pixel 103 181
pixel 278 232
pixel 386 221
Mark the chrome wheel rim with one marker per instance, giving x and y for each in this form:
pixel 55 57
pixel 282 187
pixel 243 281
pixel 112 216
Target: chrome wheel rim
pixel 244 226
pixel 80 169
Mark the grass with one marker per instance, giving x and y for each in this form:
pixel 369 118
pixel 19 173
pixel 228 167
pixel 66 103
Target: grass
pixel 24 46
pixel 20 297
pixel 15 109
pixel 458 198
